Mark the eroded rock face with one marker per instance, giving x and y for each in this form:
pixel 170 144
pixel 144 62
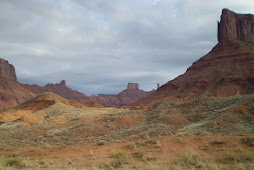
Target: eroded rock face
pixel 7 70
pixel 235 26
pixel 133 86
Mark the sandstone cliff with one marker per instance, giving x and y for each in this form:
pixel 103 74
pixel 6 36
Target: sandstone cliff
pixel 227 70
pixel 11 92
pixel 7 70
pixel 235 26
pixel 133 86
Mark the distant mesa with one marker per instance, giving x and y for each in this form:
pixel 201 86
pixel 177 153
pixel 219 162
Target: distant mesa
pixel 126 97
pixel 7 70
pixel 107 95
pixel 62 83
pixel 134 86
pixel 130 86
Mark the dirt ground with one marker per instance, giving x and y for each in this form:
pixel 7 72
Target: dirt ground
pixel 161 150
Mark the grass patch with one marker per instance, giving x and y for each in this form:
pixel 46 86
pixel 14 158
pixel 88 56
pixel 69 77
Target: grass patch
pixel 231 155
pixel 188 160
pixel 14 162
pixel 235 155
pixel 248 141
pixel 121 157
pixel 248 156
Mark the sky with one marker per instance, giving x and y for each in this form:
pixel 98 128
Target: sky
pixel 98 46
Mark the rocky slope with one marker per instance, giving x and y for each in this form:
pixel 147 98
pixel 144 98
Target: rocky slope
pixel 11 92
pixel 227 70
pixel 235 26
pixel 51 119
pixel 60 89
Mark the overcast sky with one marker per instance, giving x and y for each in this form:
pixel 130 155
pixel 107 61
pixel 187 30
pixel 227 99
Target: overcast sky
pixel 98 46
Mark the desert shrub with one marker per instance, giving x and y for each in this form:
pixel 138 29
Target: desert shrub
pixel 15 162
pixel 235 155
pixel 189 158
pixel 121 157
pixel 248 141
pixel 247 156
pixel 143 155
pixel 101 142
pixel 231 155
pixel 42 163
pixel 152 141
pixel 218 142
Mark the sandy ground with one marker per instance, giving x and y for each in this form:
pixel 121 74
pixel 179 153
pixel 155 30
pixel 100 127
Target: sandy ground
pixel 166 150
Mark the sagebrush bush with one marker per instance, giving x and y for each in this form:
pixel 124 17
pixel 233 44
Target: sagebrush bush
pixel 189 158
pixel 15 162
pixel 120 156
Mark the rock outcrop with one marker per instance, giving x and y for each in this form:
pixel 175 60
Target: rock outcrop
pixel 227 70
pixel 132 94
pixel 133 86
pixel 235 26
pixel 7 70
pixel 11 91
pixel 60 89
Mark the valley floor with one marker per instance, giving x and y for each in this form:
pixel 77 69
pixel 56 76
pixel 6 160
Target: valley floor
pixel 161 152
pixel 51 132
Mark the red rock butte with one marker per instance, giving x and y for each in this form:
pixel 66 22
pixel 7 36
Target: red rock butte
pixel 133 86
pixel 7 70
pixel 235 26
pixel 227 70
